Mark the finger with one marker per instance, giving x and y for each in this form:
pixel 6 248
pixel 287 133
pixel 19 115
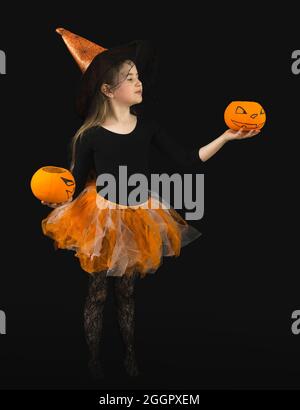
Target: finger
pixel 248 133
pixel 254 132
pixel 240 132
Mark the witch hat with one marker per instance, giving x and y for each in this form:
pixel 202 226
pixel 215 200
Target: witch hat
pixel 95 60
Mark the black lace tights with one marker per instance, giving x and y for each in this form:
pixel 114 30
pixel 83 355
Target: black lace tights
pixel 93 319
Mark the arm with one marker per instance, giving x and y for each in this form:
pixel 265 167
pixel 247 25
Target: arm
pixel 184 156
pixel 213 147
pixel 84 161
pixel 82 166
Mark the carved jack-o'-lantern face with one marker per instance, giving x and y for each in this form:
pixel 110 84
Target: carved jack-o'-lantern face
pixel 53 184
pixel 248 115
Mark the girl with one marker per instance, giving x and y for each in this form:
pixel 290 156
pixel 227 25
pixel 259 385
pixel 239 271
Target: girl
pixel 111 238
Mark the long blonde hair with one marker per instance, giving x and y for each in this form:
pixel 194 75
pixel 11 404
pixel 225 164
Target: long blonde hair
pixel 99 108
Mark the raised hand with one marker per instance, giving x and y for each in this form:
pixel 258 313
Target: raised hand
pixel 241 134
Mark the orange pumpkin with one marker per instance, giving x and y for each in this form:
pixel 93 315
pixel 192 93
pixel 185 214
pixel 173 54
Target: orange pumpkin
pixel 53 184
pixel 248 115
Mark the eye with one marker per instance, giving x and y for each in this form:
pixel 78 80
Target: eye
pixel 240 110
pixel 68 182
pixel 130 78
pixel 262 111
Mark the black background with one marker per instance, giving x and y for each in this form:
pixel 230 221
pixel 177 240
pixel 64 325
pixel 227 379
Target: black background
pixel 219 316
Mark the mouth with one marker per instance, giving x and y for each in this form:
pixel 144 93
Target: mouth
pixel 139 92
pixel 240 124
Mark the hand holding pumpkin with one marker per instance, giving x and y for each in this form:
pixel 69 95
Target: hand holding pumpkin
pixel 230 134
pixel 55 205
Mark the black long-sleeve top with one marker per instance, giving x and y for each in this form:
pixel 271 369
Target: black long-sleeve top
pixel 104 151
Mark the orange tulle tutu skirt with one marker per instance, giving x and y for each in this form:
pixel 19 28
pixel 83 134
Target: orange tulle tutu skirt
pixel 116 238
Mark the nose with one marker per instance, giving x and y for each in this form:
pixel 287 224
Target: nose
pixel 254 116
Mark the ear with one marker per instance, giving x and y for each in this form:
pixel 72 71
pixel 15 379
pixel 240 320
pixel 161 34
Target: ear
pixel 105 90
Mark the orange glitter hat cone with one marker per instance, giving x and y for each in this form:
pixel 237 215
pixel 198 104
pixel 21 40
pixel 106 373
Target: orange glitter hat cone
pixel 82 50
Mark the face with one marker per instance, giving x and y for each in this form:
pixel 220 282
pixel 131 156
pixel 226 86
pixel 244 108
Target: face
pixel 129 90
pixel 248 115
